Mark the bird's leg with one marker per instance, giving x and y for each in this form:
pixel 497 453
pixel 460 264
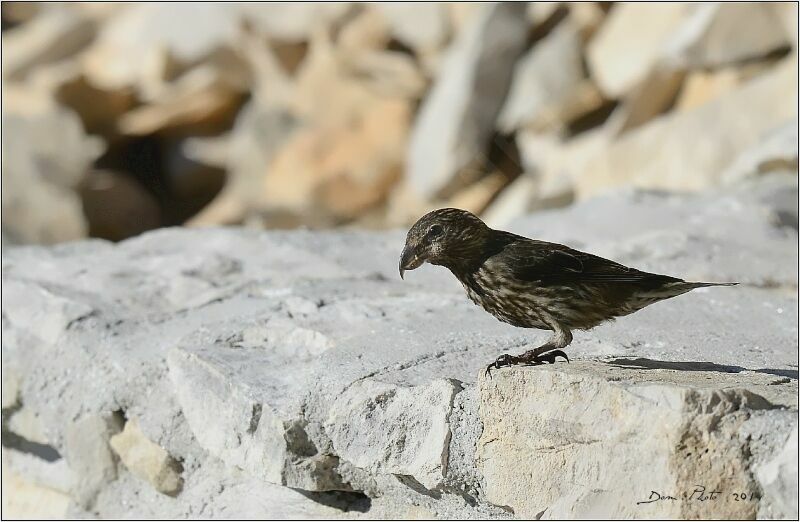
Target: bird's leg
pixel 549 350
pixel 544 353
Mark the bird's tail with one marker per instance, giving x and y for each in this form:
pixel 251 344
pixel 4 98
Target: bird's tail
pixel 672 288
pixel 681 287
pixel 692 286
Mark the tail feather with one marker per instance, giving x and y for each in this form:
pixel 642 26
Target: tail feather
pixel 701 285
pixel 666 291
pixel 681 287
pixel 677 288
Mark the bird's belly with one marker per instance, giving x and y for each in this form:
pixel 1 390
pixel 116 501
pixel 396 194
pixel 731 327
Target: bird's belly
pixel 518 309
pixel 535 306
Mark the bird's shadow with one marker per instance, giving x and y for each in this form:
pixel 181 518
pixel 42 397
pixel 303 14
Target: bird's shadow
pixel 695 366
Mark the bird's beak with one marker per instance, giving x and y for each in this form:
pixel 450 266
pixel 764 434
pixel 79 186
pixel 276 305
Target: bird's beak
pixel 409 260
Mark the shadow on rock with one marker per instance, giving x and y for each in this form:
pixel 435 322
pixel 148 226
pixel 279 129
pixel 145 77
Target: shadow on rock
pixel 642 363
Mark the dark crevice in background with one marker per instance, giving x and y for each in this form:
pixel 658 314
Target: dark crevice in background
pixel 144 183
pixel 397 46
pixel 541 30
pixel 591 119
pixel 504 155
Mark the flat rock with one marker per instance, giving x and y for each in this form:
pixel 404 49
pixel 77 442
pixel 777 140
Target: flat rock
pixel 585 457
pixel 263 360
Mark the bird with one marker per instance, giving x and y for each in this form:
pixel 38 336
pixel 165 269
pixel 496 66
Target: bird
pixel 533 284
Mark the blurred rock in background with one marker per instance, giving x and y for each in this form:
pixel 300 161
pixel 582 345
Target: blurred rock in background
pixel 119 118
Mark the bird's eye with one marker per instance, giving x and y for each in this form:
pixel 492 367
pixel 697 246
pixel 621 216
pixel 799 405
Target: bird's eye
pixel 435 231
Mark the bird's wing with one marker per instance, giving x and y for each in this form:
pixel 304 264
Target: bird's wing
pixel 551 263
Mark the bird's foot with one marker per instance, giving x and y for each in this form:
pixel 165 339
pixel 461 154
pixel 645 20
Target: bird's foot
pixel 532 360
pixel 503 360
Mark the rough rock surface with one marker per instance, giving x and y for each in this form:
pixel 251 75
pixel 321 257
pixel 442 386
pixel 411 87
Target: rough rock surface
pixel 582 432
pixel 253 361
pixel 457 118
pixel 672 152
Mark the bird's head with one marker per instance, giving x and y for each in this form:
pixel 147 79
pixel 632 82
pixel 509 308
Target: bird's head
pixel 449 236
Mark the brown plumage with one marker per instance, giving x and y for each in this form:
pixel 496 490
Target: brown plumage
pixel 533 284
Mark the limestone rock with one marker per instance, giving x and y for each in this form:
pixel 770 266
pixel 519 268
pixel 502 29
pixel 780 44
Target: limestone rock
pixel 260 359
pixel 586 458
pixel 98 109
pixel 679 37
pixel 258 134
pixel 457 118
pixel 10 388
pixel 775 152
pixel 23 499
pixel 786 12
pixel 46 314
pixel 652 96
pixel 25 423
pixel 616 65
pixel 293 21
pixel 544 83
pixel 146 459
pixel 423 27
pixel 588 16
pixel 261 433
pixel 720 34
pixel 778 480
pixel 671 152
pixel 343 170
pixel 90 457
pixel 325 92
pixel 139 45
pixel 200 102
pixel 389 73
pixel 701 87
pixel 368 31
pixel 478 195
pixel 516 200
pixel 39 470
pixel 56 33
pixel 382 428
pixel 45 156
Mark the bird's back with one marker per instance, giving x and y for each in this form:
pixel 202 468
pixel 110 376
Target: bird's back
pixel 524 282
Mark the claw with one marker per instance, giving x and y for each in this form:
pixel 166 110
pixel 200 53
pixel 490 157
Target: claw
pixel 545 358
pixel 558 353
pixel 503 360
pixel 550 357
